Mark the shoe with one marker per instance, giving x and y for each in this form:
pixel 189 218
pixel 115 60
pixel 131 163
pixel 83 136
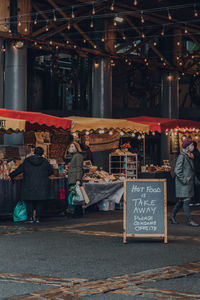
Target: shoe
pixel 173 220
pixel 192 223
pixel 37 221
pixel 29 220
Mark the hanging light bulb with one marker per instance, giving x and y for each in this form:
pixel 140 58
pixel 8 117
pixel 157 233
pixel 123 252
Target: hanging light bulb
pixel 169 15
pixel 93 9
pixel 135 2
pixel 3 49
pixel 141 17
pixel 110 132
pixel 163 31
pixel 73 14
pixel 26 28
pixel 67 42
pixel 135 45
pixel 47 28
pixel 19 22
pixel 54 16
pixel 195 11
pixel 143 35
pixel 114 23
pixel 84 41
pixel 91 23
pixel 154 43
pixel 103 39
pixel 50 43
pixel 35 43
pixel 68 25
pixel 35 21
pixel 124 37
pixel 186 30
pixel 112 7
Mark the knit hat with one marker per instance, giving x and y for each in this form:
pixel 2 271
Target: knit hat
pixel 186 143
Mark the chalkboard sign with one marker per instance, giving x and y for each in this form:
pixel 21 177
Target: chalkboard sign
pixel 145 208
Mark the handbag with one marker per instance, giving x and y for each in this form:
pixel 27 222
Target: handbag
pixel 77 198
pixel 85 196
pixel 20 212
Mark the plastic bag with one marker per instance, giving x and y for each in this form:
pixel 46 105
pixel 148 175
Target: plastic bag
pixel 20 212
pixel 78 199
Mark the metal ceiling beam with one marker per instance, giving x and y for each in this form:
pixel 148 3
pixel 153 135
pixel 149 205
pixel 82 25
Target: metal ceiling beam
pixel 62 13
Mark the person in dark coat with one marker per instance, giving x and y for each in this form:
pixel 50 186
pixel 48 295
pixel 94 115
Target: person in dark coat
pixel 184 182
pixel 36 184
pixel 196 154
pixel 75 174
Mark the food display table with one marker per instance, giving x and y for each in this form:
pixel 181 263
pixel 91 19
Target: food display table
pixel 10 193
pixel 171 195
pixel 98 191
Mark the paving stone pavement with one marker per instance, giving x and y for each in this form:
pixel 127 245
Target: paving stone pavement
pixel 139 285
pixel 127 284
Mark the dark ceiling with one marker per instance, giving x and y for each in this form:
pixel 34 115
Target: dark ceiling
pixel 89 27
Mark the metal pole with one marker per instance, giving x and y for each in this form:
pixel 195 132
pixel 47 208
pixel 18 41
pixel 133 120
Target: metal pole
pixel 144 151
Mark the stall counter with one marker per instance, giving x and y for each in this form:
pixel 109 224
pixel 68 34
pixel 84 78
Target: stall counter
pixel 99 191
pixel 10 192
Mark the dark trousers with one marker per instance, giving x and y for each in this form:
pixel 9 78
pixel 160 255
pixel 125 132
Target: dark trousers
pixel 37 205
pixel 197 194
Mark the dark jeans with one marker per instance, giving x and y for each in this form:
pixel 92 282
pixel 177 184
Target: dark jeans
pixel 197 194
pixel 37 205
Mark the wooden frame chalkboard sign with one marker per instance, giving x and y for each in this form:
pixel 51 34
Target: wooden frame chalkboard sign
pixel 145 208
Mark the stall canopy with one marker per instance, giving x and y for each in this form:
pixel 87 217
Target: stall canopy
pixel 23 120
pixel 165 124
pixel 99 125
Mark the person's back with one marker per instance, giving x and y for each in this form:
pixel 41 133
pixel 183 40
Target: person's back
pixel 35 184
pixel 36 178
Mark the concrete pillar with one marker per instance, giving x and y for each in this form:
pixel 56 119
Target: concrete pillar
pixel 1 74
pixel 101 88
pixel 15 77
pixel 169 106
pixel 15 87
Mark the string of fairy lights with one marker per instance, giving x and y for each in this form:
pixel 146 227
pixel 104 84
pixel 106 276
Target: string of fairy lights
pixel 184 133
pixel 135 42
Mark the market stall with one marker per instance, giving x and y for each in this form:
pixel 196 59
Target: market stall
pixel 177 130
pixel 11 156
pixel 101 134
